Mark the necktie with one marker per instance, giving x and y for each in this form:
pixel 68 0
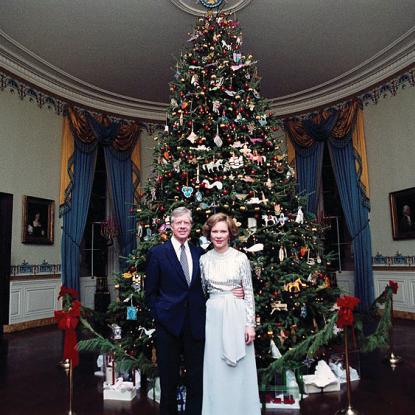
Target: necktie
pixel 184 263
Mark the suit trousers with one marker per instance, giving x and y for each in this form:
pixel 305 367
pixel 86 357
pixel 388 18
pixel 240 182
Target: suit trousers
pixel 169 350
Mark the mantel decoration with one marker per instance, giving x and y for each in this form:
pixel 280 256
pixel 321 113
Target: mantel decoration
pixel 38 221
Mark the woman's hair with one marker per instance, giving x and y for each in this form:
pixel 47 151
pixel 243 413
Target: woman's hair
pixel 220 217
pixel 180 211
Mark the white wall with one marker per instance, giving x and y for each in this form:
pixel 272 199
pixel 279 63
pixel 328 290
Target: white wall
pixel 390 138
pixel 30 146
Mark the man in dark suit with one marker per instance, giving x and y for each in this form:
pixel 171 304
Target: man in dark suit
pixel 174 292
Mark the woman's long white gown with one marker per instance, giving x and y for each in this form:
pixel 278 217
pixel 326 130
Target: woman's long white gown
pixel 230 384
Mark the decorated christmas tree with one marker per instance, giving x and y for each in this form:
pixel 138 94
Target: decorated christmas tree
pixel 223 151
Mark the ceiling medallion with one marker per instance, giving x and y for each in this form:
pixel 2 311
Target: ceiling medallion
pixel 198 7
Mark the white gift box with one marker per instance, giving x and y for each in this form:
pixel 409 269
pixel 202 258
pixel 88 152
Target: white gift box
pixel 311 388
pixel 120 391
pixel 323 380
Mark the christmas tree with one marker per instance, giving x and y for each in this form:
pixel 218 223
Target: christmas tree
pixel 223 151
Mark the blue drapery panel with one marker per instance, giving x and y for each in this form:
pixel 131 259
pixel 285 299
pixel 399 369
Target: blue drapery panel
pixel 119 140
pixel 335 128
pixel 119 170
pixel 357 217
pixel 308 165
pixel 74 219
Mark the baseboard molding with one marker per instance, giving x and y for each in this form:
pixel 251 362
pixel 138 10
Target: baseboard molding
pixel 10 328
pixel 406 315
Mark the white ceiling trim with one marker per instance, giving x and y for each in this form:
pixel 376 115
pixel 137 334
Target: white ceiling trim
pixel 388 62
pixel 23 63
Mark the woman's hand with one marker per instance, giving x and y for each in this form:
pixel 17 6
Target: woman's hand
pixel 238 293
pixel 249 335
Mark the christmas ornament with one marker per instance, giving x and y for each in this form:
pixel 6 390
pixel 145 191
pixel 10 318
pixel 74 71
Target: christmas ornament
pixel 300 216
pixel 187 191
pixel 198 196
pixel 131 313
pixel 116 331
pixel 295 286
pixel 256 140
pixel 217 140
pixel 275 353
pixel 216 106
pixel 282 219
pixel 255 248
pixel 282 253
pixel 252 224
pixel 269 220
pixel 192 137
pixel 237 57
pixel 211 166
pixel 204 242
pixel 236 162
pixel 278 306
pixel 216 184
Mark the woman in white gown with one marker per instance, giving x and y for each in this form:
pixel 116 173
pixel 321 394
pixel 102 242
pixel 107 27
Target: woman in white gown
pixel 230 385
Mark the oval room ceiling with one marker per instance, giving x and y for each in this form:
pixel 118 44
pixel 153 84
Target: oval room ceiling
pixel 128 47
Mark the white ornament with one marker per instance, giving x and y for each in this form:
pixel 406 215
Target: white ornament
pixel 211 166
pixel 216 106
pixel 252 224
pixel 255 248
pixel 236 162
pixel 216 184
pixel 300 216
pixel 217 140
pixel 275 353
pixel 282 254
pixel 192 137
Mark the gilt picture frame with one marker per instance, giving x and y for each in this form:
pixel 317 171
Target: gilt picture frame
pixel 38 220
pixel 402 207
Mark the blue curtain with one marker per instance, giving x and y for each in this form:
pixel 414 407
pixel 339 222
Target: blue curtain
pixel 74 219
pixel 308 164
pixel 119 171
pixel 356 213
pixel 335 128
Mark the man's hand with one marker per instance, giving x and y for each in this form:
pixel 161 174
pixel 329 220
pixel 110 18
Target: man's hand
pixel 239 293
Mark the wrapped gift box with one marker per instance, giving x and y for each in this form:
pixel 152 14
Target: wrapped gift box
pixel 323 380
pixel 120 391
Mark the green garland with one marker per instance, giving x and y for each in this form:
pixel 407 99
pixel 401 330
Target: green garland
pixel 379 339
pixel 125 361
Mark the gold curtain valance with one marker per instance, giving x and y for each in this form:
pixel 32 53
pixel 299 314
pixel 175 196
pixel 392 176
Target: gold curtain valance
pixel 125 139
pixel 344 122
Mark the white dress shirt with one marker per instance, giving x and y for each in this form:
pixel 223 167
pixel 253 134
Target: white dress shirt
pixel 177 248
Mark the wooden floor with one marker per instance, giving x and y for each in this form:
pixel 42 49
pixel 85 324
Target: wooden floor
pixel 32 383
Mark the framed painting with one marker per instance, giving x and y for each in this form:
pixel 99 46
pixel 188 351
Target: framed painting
pixel 38 221
pixel 402 207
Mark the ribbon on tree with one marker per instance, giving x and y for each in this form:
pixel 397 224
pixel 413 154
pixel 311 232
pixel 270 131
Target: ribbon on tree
pixel 67 319
pixel 346 306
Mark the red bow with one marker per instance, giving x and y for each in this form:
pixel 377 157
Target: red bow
pixel 72 292
pixel 68 321
pixel 345 313
pixel 394 285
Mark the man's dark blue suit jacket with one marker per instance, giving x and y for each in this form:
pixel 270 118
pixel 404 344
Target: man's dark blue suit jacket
pixel 169 296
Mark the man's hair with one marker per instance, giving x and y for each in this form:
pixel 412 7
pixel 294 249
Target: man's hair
pixel 180 211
